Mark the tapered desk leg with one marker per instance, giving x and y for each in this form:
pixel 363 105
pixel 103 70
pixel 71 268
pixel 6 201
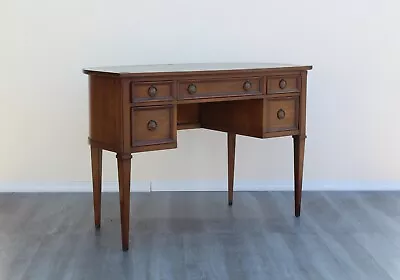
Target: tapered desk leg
pixel 231 165
pixel 96 156
pixel 298 145
pixel 124 178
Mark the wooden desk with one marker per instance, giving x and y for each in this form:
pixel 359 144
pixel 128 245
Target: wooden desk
pixel 140 108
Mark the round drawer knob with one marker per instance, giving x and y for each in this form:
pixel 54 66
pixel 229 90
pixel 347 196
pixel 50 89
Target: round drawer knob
pixel 282 83
pixel 152 91
pixel 247 85
pixel 192 89
pixel 152 125
pixel 281 114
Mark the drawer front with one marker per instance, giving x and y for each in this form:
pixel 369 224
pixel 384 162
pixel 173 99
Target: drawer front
pixel 283 84
pixel 153 125
pixel 216 88
pixel 149 91
pixel 281 114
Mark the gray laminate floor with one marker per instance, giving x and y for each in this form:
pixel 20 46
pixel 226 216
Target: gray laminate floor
pixel 188 235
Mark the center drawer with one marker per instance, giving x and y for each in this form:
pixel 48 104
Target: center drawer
pixel 193 89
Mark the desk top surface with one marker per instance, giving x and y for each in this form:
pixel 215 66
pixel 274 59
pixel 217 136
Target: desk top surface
pixel 190 67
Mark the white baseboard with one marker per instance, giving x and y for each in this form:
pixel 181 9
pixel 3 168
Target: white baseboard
pixel 68 187
pixel 269 185
pixel 203 185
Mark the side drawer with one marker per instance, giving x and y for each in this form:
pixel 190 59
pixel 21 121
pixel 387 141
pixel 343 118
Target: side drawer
pixel 153 125
pixel 281 114
pixel 193 89
pixel 283 84
pixel 151 91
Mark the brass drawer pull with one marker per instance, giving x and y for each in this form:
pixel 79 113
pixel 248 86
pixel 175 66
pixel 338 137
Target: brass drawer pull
pixel 282 83
pixel 281 114
pixel 152 125
pixel 192 89
pixel 152 91
pixel 247 85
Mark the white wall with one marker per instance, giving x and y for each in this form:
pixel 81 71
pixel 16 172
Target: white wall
pixel 353 98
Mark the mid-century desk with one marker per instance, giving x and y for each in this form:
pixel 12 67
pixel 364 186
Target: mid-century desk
pixel 140 108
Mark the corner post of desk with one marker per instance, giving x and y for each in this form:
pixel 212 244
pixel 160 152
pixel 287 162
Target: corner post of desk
pixel 124 159
pixel 299 146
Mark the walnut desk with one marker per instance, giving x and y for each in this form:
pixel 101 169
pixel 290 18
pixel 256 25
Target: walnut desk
pixel 140 108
